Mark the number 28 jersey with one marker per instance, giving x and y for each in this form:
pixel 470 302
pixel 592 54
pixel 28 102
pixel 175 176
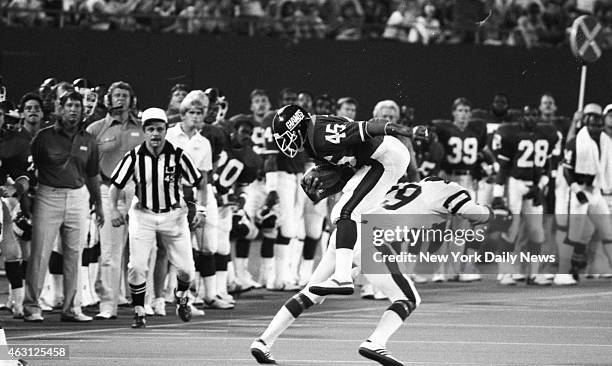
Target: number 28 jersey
pixel 526 150
pixel 461 147
pixel 340 141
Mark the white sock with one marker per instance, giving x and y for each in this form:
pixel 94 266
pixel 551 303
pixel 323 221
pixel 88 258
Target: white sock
pixel 210 287
pixel 282 320
pixel 281 262
pixel 344 265
pixel 2 338
pixel 221 282
pixel 388 324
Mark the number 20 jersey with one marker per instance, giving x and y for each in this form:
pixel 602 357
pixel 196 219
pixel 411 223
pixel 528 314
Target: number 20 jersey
pixel 526 150
pixel 461 147
pixel 340 141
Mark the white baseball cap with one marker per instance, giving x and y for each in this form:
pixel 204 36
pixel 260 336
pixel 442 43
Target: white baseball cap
pixel 607 109
pixel 154 114
pixel 592 108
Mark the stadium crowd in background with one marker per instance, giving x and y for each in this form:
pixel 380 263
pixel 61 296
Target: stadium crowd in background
pixel 225 167
pixel 527 23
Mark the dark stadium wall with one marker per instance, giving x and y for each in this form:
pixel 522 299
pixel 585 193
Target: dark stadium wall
pixel 427 78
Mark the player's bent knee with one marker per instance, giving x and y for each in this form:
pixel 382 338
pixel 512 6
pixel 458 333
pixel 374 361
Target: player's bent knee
pixel 298 303
pixel 403 308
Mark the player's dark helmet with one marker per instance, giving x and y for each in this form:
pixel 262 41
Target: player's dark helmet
pixel 530 117
pixel 2 90
pixel 87 90
pixel 218 105
pixel 289 129
pixel 11 115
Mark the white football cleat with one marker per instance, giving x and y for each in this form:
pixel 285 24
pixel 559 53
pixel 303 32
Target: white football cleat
pixel 564 279
pixel 507 280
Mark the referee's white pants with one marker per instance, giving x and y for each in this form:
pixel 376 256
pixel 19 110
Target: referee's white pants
pixel 112 245
pixel 173 231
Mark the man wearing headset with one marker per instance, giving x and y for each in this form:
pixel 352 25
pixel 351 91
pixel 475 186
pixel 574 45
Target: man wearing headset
pixel 117 133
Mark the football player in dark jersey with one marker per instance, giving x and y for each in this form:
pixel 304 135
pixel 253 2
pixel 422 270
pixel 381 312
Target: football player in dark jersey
pixel 255 194
pixel 464 145
pixel 371 147
pixel 14 182
pixel 524 151
pixel 588 173
pixel 283 175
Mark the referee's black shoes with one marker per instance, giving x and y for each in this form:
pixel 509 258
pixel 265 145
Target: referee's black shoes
pixel 378 353
pixel 140 321
pixel 183 310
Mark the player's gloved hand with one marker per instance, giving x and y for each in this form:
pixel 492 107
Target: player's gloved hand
pixel 580 195
pixel 272 199
pixel 313 187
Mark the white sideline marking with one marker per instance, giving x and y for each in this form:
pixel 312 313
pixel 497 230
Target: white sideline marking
pixel 217 321
pixel 429 342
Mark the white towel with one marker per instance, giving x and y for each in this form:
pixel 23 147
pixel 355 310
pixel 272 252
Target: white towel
pixel 604 178
pixel 587 153
pixel 590 161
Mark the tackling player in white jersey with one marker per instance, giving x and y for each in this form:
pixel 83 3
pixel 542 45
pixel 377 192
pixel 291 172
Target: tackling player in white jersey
pixel 433 196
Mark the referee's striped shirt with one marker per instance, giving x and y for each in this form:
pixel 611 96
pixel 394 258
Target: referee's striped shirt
pixel 158 179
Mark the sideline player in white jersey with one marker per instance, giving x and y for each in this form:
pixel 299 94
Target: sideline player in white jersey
pixel 432 197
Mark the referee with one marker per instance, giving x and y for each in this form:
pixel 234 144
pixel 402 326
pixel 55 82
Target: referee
pixel 159 170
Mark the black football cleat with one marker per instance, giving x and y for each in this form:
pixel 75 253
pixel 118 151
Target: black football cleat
pixel 140 321
pixel 183 310
pixel 332 287
pixel 378 353
pixel 261 352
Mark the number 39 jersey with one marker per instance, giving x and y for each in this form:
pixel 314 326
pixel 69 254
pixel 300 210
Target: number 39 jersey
pixel 431 201
pixel 340 141
pixel 527 150
pixel 461 146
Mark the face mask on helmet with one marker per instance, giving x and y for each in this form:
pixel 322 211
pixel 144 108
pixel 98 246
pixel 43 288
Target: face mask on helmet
pixel 289 129
pixel 218 107
pixel 90 101
pixel 11 116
